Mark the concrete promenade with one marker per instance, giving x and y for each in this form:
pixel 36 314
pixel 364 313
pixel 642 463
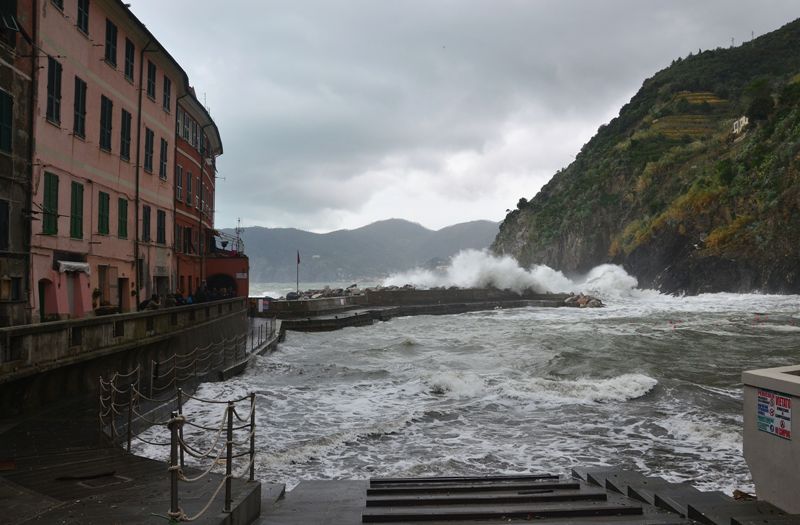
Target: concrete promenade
pixel 56 466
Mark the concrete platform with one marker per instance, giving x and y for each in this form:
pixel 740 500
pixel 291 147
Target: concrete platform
pixel 57 468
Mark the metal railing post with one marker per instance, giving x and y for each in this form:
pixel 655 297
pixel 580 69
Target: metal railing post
pixel 252 435
pixel 173 466
pixel 180 431
pixel 153 372
pixel 229 459
pixel 112 413
pixel 130 416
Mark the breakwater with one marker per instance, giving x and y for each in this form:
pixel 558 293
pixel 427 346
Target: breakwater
pixel 405 301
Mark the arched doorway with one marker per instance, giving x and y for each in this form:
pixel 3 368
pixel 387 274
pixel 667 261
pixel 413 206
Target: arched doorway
pixel 219 284
pixel 47 299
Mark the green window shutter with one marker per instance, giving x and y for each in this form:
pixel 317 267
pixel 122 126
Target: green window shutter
pixel 122 219
pixel 76 213
pixel 50 207
pixel 6 117
pixel 102 216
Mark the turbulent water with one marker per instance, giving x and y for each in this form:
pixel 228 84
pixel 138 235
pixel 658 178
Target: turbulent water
pixel 650 382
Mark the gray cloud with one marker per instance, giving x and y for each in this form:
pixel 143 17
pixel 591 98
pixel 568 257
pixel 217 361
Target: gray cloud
pixel 334 114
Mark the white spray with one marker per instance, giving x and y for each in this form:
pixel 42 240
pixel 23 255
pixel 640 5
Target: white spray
pixel 479 269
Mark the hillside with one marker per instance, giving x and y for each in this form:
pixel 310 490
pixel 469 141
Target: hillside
pixel 370 252
pixel 670 192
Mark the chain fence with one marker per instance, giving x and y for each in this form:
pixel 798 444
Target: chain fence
pixel 134 401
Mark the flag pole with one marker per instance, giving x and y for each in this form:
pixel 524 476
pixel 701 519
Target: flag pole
pixel 298 272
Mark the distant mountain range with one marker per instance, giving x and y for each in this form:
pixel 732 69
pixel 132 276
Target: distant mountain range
pixel 371 252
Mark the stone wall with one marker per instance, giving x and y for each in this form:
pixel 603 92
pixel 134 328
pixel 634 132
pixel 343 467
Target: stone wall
pixel 40 363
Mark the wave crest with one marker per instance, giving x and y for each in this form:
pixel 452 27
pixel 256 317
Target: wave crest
pixel 480 269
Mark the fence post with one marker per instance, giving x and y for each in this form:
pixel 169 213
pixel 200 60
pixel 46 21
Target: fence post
pixel 252 435
pixel 130 415
pixel 153 372
pixel 180 430
pixel 229 459
pixel 173 466
pixel 112 413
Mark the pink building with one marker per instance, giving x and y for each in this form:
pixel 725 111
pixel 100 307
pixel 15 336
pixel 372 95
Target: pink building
pixel 104 128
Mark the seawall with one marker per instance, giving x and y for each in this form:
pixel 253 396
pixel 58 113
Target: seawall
pixel 44 362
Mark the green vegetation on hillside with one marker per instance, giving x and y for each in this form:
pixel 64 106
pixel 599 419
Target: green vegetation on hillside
pixel 668 187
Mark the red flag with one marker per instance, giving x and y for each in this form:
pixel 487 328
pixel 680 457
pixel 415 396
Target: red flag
pixel 298 256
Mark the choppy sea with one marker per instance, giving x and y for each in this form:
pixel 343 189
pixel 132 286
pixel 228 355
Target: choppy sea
pixel 650 382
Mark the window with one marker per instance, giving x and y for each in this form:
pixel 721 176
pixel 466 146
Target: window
pixel 194 133
pixel 6 118
pixel 122 218
pixel 106 112
pixel 162 164
pixel 129 53
pixel 111 43
pixel 187 240
pixel 79 122
pixel 83 16
pixel 148 149
pixel 189 188
pixel 151 80
pixel 102 213
pixel 167 93
pixel 197 191
pixel 4 224
pixel 53 90
pixel 178 182
pixel 59 4
pixel 76 212
pixel 50 204
pixel 9 27
pixel 146 223
pixel 178 240
pixel 125 136
pixel 185 127
pixel 161 227
pixel 178 121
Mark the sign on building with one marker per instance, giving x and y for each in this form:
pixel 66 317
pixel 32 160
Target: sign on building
pixel 774 413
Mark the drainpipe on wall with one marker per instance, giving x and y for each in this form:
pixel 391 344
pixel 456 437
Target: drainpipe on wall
pixel 137 165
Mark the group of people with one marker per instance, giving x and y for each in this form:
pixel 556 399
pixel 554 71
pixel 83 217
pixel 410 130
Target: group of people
pixel 201 295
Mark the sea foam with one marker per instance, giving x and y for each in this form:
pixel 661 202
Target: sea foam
pixel 480 269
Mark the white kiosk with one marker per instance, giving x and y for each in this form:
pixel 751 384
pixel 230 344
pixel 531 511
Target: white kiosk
pixel 771 447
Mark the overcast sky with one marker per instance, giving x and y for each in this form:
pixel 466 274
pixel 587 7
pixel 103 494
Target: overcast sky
pixel 335 114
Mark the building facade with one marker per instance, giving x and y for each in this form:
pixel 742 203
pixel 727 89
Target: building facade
pixel 16 99
pixel 103 184
pixel 197 146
